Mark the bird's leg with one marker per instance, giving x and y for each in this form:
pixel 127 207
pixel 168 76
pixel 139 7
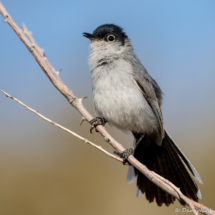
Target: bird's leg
pixel 126 153
pixel 139 140
pixel 95 122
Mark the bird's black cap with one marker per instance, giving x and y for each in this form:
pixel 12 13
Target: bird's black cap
pixel 102 31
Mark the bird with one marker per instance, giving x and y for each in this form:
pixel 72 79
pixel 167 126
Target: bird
pixel 127 97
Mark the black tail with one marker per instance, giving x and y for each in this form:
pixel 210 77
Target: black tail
pixel 168 161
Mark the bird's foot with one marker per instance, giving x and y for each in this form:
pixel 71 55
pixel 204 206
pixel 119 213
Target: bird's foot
pixel 95 122
pixel 125 154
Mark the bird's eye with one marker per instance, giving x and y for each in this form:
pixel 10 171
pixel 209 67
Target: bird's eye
pixel 111 38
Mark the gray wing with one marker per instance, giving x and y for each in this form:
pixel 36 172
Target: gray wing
pixel 152 94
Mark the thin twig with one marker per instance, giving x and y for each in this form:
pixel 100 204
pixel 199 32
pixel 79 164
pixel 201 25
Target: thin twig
pixel 63 128
pixel 54 77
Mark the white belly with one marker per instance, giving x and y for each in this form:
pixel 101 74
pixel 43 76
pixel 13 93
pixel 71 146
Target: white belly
pixel 118 99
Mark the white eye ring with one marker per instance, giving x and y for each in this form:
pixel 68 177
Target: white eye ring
pixel 111 38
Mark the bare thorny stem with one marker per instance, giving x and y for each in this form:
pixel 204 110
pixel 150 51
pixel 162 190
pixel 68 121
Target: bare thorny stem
pixel 27 38
pixel 184 198
pixel 63 128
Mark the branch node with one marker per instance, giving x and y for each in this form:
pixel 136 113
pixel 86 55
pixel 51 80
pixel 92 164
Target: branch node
pixel 58 72
pixel 106 139
pixel 32 48
pixel 82 120
pixel 6 18
pixel 81 99
pixel 25 30
pixel 73 101
pixel 26 108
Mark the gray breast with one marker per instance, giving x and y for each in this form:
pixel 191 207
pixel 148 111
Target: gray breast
pixel 118 99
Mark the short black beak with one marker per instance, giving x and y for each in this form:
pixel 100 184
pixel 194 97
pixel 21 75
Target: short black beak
pixel 90 36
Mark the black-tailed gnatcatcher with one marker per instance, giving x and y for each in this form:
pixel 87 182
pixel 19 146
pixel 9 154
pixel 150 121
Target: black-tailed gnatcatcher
pixel 126 96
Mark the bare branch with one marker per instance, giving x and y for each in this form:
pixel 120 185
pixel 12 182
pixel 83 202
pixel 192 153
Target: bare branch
pixel 31 39
pixel 77 103
pixel 38 49
pixel 63 128
pixel 184 198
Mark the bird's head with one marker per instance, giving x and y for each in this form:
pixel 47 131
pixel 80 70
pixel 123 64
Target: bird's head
pixel 108 40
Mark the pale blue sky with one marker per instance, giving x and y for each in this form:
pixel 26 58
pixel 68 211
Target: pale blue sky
pixel 173 39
